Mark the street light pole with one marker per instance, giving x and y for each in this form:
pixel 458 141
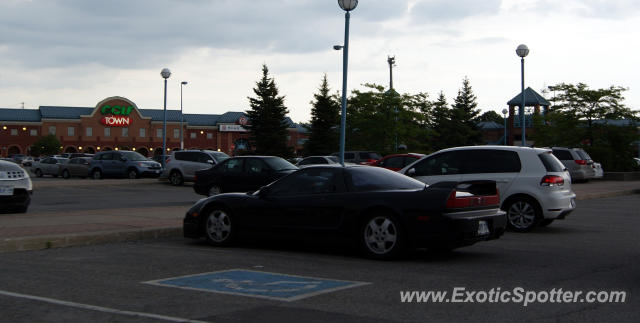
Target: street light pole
pixel 181 117
pixel 522 51
pixel 165 75
pixel 504 114
pixel 346 5
pixel 392 62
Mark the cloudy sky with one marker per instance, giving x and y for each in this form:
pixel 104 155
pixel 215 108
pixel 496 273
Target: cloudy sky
pixel 78 52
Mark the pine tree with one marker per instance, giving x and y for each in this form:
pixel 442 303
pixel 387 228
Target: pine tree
pixel 441 123
pixel 325 115
pixel 463 115
pixel 267 127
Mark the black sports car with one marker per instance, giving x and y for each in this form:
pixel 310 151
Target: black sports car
pixel 385 211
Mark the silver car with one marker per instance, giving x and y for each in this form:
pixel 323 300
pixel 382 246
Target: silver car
pixel 577 161
pixel 49 166
pixel 15 188
pixel 181 166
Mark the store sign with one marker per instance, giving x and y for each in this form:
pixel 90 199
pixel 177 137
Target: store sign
pixel 231 128
pixel 115 121
pixel 116 116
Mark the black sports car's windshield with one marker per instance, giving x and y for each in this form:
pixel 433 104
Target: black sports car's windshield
pixel 375 179
pixel 278 164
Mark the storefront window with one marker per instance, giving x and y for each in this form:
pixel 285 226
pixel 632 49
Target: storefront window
pixel 176 133
pixel 142 133
pixel 125 132
pixel 193 135
pixel 159 133
pixel 52 130
pixel 89 131
pixel 14 132
pixel 107 132
pixel 209 135
pixel 34 132
pixel 71 131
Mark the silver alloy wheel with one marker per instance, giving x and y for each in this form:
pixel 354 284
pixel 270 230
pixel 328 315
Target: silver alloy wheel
pixel 522 215
pixel 176 178
pixel 218 226
pixel 214 190
pixel 380 235
pixel 97 174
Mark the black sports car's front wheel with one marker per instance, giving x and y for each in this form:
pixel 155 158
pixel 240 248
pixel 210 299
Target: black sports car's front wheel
pixel 219 227
pixel 382 237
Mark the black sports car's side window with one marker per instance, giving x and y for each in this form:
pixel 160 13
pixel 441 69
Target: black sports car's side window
pixel 308 181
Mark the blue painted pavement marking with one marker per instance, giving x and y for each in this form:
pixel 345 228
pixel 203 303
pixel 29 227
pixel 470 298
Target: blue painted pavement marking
pixel 257 284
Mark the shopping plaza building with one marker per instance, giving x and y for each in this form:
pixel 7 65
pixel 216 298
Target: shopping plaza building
pixel 116 123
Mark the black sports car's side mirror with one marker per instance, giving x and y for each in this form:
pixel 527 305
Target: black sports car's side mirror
pixel 411 172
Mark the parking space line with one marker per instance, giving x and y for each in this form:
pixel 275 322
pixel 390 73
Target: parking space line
pixel 98 308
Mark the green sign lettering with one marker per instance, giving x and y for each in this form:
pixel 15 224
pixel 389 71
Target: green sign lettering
pixel 116 110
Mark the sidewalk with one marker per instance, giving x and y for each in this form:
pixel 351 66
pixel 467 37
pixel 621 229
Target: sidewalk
pixel 34 231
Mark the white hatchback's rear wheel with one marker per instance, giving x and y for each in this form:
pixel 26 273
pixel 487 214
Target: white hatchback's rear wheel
pixel 523 214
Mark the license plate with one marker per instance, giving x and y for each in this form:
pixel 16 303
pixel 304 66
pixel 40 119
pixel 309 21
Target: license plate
pixel 6 190
pixel 483 228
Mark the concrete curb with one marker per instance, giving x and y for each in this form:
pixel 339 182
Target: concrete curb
pixel 591 196
pixel 85 239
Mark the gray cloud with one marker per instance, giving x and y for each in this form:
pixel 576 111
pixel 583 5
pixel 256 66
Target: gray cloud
pixel 607 9
pixel 139 33
pixel 437 11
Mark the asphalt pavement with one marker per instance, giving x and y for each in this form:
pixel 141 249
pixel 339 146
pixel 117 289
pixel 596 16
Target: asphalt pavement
pixel 64 228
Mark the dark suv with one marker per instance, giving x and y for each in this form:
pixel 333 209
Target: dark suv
pixel 182 165
pixel 122 163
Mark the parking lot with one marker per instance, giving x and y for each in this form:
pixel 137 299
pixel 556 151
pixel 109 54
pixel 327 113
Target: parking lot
pixel 175 279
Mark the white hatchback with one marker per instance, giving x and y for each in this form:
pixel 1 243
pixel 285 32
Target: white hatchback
pixel 534 186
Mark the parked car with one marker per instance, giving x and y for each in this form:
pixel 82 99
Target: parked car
pixel 122 163
pixel 534 187
pixel 74 155
pixel 579 168
pixel 241 174
pixel 49 166
pixel 17 158
pixel 27 161
pixel 598 171
pixel 182 165
pixel 397 162
pixel 15 188
pixel 359 157
pixel 318 160
pixel 384 211
pixel 76 167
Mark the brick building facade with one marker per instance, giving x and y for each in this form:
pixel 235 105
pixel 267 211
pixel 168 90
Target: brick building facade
pixel 117 123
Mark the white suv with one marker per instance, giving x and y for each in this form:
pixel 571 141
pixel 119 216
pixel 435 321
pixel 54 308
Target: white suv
pixel 181 166
pixel 534 186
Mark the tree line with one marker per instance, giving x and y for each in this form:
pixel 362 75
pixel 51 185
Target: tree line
pixel 386 121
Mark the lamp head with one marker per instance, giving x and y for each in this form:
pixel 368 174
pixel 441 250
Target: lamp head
pixel 504 111
pixel 348 5
pixel 522 50
pixel 337 47
pixel 184 83
pixel 165 73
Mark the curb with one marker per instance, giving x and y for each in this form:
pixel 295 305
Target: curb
pixel 85 239
pixel 591 196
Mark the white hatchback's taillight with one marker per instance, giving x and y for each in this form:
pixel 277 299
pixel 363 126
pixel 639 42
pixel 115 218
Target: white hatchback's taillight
pixel 552 180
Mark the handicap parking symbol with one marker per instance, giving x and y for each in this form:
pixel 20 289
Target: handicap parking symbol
pixel 258 284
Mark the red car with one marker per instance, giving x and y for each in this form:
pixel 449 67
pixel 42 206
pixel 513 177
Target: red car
pixel 397 162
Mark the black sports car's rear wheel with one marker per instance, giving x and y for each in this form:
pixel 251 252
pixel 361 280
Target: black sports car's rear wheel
pixel 219 228
pixel 382 237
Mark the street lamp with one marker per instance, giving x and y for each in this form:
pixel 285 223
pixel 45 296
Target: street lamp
pixel 165 75
pixel 181 117
pixel 522 51
pixel 346 5
pixel 504 113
